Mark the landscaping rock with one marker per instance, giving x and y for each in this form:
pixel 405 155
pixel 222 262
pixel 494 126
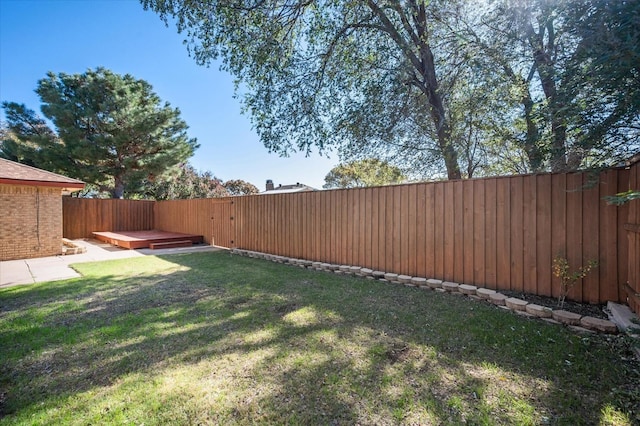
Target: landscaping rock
pixel 377 274
pixel 404 279
pixel 598 324
pixel 566 317
pixel 366 272
pixel 354 270
pixel 450 286
pixel 497 298
pixel 538 311
pixel 433 283
pixel 467 289
pixel 485 293
pixel 391 277
pixel 622 316
pixel 516 304
pixel 345 268
pixel 523 313
pixel 420 282
pixel 325 266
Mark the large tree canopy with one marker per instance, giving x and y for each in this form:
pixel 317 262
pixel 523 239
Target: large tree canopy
pixel 186 183
pixel 511 86
pixel 111 131
pixel 570 68
pixel 240 187
pixel 362 173
pixel 331 73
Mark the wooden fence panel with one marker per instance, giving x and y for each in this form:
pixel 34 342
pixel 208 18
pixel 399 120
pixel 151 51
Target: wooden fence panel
pixel 503 236
pixel 448 232
pixel 467 231
pixel 516 231
pixel 558 224
pixel 544 255
pixel 608 268
pixel 633 234
pixel 82 216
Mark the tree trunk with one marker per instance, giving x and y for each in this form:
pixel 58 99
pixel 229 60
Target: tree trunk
pixel 437 110
pixel 531 147
pixel 544 64
pixel 449 154
pixel 118 188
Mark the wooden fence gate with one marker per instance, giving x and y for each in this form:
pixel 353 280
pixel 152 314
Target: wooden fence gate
pixel 223 229
pixel 213 218
pixel 633 232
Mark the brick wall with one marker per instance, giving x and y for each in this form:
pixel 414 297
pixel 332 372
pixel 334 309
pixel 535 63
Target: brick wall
pixel 30 221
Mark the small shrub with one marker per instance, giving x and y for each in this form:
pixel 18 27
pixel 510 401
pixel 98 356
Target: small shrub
pixel 569 279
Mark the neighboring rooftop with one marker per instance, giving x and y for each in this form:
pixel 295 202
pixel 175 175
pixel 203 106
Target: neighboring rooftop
pixel 286 189
pixel 12 173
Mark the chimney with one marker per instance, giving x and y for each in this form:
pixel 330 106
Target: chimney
pixel 269 185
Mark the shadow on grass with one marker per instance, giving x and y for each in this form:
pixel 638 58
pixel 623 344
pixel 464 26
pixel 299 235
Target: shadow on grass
pixel 301 347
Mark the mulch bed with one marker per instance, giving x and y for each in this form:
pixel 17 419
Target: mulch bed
pixel 584 309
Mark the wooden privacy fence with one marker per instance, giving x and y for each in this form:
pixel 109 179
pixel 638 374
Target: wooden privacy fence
pixel 82 216
pixel 501 233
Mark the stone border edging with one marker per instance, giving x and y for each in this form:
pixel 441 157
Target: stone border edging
pixel 572 320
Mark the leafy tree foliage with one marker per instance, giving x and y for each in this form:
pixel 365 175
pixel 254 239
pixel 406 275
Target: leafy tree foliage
pixel 112 131
pixel 368 172
pixel 575 111
pixel 514 86
pixel 186 183
pixel 606 73
pixel 26 138
pixel 240 187
pixel 328 73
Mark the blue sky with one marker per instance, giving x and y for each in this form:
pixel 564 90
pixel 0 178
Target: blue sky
pixel 71 36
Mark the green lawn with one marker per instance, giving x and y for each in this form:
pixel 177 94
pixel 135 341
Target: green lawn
pixel 211 338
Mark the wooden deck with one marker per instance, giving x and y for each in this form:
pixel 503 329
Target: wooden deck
pixel 144 239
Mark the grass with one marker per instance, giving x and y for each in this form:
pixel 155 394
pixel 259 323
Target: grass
pixel 211 338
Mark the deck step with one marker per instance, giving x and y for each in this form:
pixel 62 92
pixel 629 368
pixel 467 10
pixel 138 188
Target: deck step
pixel 171 244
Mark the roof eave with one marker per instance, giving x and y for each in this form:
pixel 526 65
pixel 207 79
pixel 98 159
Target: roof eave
pixel 69 186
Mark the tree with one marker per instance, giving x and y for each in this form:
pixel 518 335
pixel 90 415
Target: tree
pixel 186 183
pixel 606 67
pixel 240 187
pixel 112 131
pixel 514 86
pixel 573 68
pixel 352 74
pixel 26 138
pixel 368 172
